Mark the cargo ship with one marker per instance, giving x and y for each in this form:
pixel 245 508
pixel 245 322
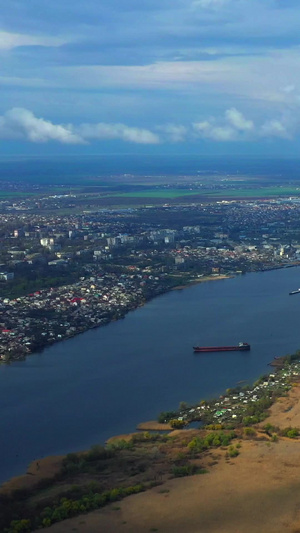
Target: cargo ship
pixel 241 347
pixel 295 292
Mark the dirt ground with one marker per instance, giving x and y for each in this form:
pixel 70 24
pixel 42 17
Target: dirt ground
pixel 256 492
pixel 36 471
pixel 153 425
pixel 286 411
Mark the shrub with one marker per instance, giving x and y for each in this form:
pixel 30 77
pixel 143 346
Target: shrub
pixel 177 424
pixel 187 470
pixel 293 433
pixel 97 452
pixel 249 432
pixel 211 439
pixel 290 432
pixel 165 416
pixel 120 444
pixel 233 452
pixel 268 428
pixel 20 526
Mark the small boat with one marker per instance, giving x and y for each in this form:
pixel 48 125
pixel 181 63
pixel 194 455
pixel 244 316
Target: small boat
pixel 241 347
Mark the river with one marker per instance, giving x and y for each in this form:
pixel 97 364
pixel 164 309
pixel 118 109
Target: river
pixel 102 383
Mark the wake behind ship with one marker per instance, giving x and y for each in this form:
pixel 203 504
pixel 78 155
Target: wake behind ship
pixel 297 291
pixel 241 347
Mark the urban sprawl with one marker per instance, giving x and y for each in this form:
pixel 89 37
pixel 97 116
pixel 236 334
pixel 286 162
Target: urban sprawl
pixel 63 272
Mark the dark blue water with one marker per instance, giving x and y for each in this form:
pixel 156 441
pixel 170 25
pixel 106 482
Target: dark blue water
pixel 104 382
pixel 73 169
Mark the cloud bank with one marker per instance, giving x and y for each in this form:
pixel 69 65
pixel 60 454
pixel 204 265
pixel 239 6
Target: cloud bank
pixel 233 126
pixel 125 133
pixel 154 72
pixel 21 124
pixel 10 40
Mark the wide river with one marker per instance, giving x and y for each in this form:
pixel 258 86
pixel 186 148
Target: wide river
pixel 102 383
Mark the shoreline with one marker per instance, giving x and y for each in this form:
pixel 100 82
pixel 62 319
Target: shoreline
pixel 107 321
pixel 136 305
pixel 203 280
pixel 232 476
pixel 41 468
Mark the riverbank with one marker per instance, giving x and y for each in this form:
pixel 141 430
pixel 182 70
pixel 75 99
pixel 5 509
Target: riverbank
pixel 50 316
pixel 154 344
pixel 203 279
pixel 219 501
pixel 258 491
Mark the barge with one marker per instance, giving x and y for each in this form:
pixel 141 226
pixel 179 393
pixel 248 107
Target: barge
pixel 241 347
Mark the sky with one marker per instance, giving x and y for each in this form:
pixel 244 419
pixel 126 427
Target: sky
pixel 150 76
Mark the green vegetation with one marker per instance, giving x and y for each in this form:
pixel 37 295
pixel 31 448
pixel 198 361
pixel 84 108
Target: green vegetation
pixel 90 480
pixel 233 451
pixel 22 286
pixel 187 470
pixel 102 475
pixel 177 424
pixel 256 412
pixel 259 192
pixel 291 433
pixel 16 194
pixel 166 416
pixel 156 193
pixel 198 444
pixel 249 432
pixel 67 508
pixel 269 429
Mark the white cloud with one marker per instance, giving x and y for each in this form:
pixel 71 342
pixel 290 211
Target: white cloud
pixel 234 126
pixel 118 131
pixel 209 130
pixel 9 40
pixel 275 128
pixel 19 123
pixel 22 124
pixel 238 121
pixel 173 132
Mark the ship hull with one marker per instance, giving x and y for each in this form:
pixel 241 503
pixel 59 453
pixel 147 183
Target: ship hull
pixel 201 349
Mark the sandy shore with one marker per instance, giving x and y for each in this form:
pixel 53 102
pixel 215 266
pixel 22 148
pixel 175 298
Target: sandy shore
pixel 152 425
pixel 36 471
pixel 201 280
pixel 258 491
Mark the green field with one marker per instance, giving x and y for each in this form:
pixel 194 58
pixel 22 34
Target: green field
pixel 270 191
pixel 155 193
pixel 260 192
pixel 41 192
pixel 16 194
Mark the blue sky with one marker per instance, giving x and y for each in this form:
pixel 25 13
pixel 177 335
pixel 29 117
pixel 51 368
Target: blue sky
pixel 153 76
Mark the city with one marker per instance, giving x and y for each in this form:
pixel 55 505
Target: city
pixel 62 274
